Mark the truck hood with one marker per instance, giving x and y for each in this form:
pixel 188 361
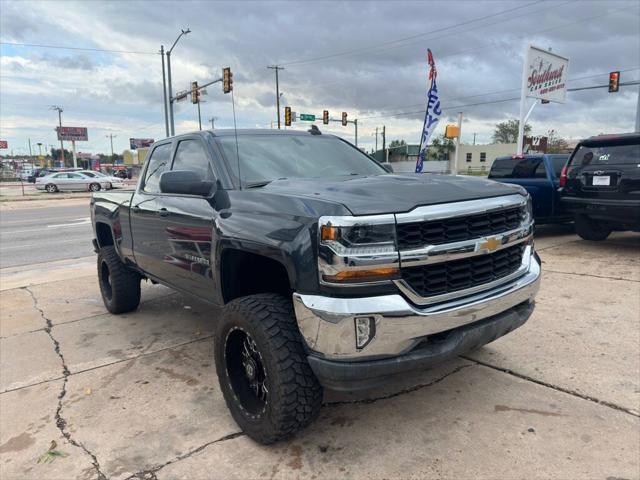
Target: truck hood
pixel 393 193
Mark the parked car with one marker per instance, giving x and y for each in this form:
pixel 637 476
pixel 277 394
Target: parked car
pixel 601 185
pixel 43 172
pixel 71 181
pixel 333 272
pixel 114 182
pixel 540 176
pixel 124 173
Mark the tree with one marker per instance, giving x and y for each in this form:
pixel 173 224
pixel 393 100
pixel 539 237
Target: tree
pixel 507 132
pixel 441 147
pixel 397 143
pixel 556 144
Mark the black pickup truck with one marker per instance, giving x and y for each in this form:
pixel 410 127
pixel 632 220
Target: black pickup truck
pixel 333 272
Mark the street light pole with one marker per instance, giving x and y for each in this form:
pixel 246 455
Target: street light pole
pixel 173 128
pixel 276 68
pixel 212 120
pixel 164 93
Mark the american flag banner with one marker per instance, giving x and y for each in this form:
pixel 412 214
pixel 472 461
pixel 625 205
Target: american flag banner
pixel 432 115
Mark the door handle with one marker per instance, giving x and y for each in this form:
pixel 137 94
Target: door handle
pixel 163 212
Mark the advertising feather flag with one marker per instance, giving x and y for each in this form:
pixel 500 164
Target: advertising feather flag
pixel 432 115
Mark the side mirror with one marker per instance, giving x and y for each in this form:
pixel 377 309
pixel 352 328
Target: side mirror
pixel 387 167
pixel 185 182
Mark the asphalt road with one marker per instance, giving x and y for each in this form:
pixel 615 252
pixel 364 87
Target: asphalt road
pixel 44 234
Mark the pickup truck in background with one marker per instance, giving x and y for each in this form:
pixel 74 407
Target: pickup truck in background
pixel 540 175
pixel 600 185
pixel 332 272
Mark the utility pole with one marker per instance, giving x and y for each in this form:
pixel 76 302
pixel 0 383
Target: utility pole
pixel 376 139
pixel 110 137
pixel 60 110
pixel 199 116
pixel 30 154
pixel 355 124
pixel 276 68
pixel 384 142
pixel 164 94
pixel 638 112
pixel 212 120
pixel 454 167
pixel 474 138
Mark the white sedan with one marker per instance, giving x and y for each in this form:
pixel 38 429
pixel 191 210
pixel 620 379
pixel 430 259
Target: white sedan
pixel 71 181
pixel 114 182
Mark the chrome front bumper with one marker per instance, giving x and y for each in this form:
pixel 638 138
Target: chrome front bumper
pixel 328 328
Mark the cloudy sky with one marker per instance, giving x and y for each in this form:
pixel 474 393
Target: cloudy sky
pixel 366 58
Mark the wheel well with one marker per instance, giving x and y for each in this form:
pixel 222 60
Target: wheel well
pixel 104 235
pixel 245 273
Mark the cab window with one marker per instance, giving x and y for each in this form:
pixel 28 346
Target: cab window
pixel 191 155
pixel 158 163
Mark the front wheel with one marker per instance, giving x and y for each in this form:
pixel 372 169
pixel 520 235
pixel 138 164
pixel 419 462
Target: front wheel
pixel 262 368
pixel 51 188
pixel 119 285
pixel 590 229
pixel 94 187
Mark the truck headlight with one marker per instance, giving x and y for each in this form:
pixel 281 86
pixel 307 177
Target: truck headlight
pixel 528 211
pixel 357 249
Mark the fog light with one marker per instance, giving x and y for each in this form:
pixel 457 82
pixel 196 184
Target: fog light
pixel 365 330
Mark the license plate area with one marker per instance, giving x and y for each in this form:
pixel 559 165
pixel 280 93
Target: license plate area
pixel 601 181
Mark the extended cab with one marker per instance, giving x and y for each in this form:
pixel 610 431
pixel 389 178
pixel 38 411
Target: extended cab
pixel 540 175
pixel 601 185
pixel 333 272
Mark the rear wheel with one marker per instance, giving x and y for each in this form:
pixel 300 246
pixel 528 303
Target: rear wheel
pixel 262 368
pixel 590 229
pixel 51 188
pixel 119 285
pixel 94 187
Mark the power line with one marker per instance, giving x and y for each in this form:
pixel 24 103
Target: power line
pixel 404 39
pixel 39 45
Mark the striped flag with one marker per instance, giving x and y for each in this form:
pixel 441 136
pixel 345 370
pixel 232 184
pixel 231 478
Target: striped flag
pixel 432 115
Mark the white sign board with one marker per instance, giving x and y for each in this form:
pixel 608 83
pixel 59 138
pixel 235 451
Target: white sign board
pixel 546 75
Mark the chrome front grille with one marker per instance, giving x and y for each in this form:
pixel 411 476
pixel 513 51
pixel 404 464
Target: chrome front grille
pixel 446 277
pixel 456 229
pixel 455 250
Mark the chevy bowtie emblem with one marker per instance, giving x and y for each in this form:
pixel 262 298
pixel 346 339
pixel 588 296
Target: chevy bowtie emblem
pixel 490 244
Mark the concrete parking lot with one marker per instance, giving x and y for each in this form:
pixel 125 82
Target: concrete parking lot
pixel 136 395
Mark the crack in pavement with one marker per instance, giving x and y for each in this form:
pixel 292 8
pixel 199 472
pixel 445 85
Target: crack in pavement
pixel 150 473
pixel 61 423
pixel 592 275
pixel 415 388
pixel 115 362
pixel 556 387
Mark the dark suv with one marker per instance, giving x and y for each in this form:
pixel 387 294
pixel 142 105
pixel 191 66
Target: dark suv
pixel 600 185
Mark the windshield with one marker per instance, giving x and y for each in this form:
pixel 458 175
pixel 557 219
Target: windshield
pixel 612 154
pixel 265 158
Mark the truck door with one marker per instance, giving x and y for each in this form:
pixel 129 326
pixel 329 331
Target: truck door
pixel 149 243
pixel 188 224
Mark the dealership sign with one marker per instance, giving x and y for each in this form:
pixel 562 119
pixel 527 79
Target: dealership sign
pixel 140 143
pixel 546 75
pixel 77 134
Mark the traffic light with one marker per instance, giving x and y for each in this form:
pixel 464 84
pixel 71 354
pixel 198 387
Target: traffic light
pixel 227 80
pixel 614 82
pixel 287 116
pixel 325 117
pixel 194 92
pixel 344 119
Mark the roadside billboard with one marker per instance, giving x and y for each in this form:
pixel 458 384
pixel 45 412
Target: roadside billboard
pixel 546 75
pixel 140 143
pixel 77 134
